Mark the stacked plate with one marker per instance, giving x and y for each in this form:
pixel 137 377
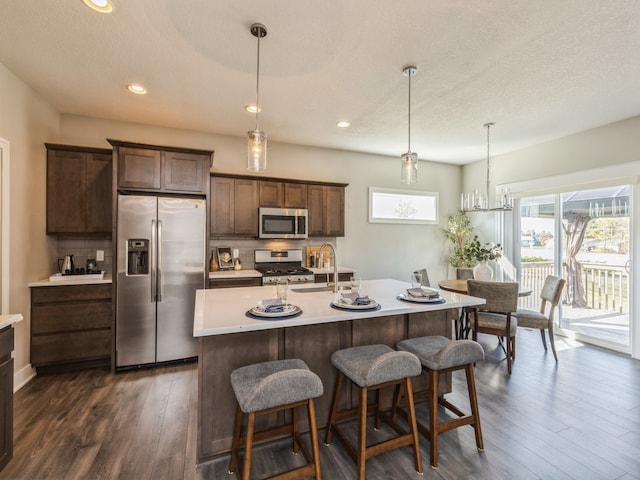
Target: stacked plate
pixel 355 301
pixel 421 295
pixel 274 308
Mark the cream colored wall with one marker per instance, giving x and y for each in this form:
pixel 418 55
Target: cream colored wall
pixel 375 250
pixel 26 122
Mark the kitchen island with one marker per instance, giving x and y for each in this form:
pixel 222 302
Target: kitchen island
pixel 229 339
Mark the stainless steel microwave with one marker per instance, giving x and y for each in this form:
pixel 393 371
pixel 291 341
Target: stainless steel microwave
pixel 283 222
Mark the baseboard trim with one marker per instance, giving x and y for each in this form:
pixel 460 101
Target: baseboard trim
pixel 23 376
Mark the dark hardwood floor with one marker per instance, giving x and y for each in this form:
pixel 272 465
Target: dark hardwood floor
pixel 579 419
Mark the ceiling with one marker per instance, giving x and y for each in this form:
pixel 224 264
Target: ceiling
pixel 540 70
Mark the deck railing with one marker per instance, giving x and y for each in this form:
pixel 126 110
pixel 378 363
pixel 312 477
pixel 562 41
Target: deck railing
pixel 606 286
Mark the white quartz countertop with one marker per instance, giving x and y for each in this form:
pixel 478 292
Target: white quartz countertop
pixel 235 274
pixel 10 319
pixel 222 311
pixel 72 280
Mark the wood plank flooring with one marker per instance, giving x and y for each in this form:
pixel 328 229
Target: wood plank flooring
pixel 579 419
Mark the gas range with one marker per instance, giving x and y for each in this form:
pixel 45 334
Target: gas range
pixel 275 265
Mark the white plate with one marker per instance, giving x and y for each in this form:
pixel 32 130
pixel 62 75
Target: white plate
pixel 409 298
pixel 341 304
pixel 288 311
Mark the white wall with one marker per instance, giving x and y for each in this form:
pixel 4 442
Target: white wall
pixel 375 250
pixel 26 122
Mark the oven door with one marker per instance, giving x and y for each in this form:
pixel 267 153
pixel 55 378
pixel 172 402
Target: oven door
pixel 283 223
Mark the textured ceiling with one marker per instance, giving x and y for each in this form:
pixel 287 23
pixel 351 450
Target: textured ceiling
pixel 539 69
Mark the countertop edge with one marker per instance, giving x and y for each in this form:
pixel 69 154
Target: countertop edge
pixel 45 282
pixel 10 319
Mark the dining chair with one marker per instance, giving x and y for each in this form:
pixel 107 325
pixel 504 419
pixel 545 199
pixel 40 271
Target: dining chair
pixel 495 317
pixel 425 277
pixel 551 292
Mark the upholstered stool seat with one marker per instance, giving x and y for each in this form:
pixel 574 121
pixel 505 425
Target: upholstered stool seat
pixel 372 367
pixel 439 355
pixel 269 387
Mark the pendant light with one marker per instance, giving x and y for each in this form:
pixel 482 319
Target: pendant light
pixel 409 160
pixel 480 202
pixel 257 140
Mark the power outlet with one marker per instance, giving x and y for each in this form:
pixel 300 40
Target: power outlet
pixel 100 255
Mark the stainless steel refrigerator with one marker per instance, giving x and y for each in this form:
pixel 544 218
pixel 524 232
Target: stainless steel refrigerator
pixel 161 262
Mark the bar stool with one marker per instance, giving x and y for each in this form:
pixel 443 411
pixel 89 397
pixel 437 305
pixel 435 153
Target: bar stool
pixel 373 367
pixel 270 387
pixel 441 355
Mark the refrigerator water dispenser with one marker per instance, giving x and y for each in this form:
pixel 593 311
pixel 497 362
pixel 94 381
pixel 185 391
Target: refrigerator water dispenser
pixel 137 256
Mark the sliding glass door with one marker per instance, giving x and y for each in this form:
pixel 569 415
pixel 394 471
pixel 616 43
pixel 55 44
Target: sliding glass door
pixel 584 236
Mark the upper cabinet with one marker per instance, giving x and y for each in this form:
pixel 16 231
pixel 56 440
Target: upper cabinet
pixel 79 185
pixel 326 210
pixel 234 206
pixel 161 169
pixel 282 194
pixel 235 201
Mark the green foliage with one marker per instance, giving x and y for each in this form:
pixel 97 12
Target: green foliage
pixel 484 252
pixel 460 232
pixel 467 249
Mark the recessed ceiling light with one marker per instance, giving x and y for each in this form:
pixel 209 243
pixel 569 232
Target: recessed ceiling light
pixel 135 88
pixel 251 108
pixel 102 6
pixel 343 124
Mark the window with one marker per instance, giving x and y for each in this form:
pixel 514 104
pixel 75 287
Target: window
pixel 402 206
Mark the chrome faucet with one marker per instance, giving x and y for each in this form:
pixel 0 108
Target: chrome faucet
pixel 335 264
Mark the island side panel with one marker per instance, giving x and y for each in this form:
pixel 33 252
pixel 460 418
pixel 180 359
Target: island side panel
pixel 219 355
pixel 314 344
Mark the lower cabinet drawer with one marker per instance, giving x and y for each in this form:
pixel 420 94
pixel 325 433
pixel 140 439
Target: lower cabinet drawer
pixel 235 282
pixel 70 347
pixel 6 342
pixel 70 317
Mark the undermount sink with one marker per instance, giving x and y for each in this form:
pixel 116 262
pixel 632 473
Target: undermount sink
pixel 313 289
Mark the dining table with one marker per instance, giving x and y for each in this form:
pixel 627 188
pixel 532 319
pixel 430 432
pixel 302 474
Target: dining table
pixel 460 286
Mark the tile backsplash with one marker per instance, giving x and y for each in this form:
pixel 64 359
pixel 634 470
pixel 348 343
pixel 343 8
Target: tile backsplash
pixel 83 249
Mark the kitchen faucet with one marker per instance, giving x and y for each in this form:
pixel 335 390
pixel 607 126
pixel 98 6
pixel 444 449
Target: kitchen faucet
pixel 335 264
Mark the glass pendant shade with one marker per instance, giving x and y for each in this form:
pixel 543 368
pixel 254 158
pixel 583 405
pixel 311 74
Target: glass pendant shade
pixel 256 151
pixel 409 168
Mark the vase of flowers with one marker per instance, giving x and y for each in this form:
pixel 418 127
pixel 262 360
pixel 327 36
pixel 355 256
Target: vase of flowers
pixel 482 253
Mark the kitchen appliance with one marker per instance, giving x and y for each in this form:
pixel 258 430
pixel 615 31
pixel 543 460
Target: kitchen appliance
pixel 65 265
pixel 276 265
pixel 161 262
pixel 283 222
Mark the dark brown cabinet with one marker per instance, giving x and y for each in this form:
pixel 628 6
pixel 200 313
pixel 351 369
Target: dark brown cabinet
pixel 283 194
pixel 235 282
pixel 6 396
pixel 79 184
pixel 234 206
pixel 326 211
pixel 271 194
pixel 161 169
pixel 235 202
pixel 71 325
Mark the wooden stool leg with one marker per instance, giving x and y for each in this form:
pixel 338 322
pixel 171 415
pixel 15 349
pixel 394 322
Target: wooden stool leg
pixel 433 418
pixel 334 408
pixel 413 424
pixel 378 422
pixel 233 461
pixel 248 448
pixel 311 408
pixel 294 430
pixel 473 400
pixel 362 433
